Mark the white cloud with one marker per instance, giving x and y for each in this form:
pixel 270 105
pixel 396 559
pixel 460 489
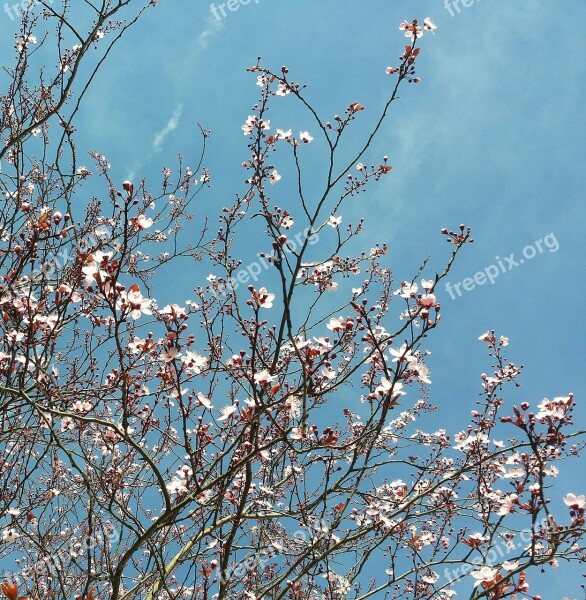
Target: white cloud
pixel 169 127
pixel 213 26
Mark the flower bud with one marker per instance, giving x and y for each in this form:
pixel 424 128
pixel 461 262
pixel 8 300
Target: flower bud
pixel 128 187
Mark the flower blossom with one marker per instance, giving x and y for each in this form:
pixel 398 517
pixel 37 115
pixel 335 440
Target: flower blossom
pixel 253 123
pixel 194 361
pixel 428 300
pixel 283 134
pixel 9 535
pixel 92 270
pixel 283 89
pixel 507 505
pixel 429 25
pixel 305 137
pixel 340 324
pixel 141 222
pixel 574 501
pixel 22 44
pixel 334 221
pixel 174 311
pixel 412 30
pixel 387 386
pixel 262 297
pixel 554 409
pixel 263 377
pixel 133 303
pixel 177 486
pixel 408 290
pixel 227 411
pixel 485 574
pixel 402 354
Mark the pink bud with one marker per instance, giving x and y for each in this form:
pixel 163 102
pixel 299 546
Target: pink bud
pixel 128 187
pixel 57 217
pixel 428 300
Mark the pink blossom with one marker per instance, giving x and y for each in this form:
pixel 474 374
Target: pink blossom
pixel 407 290
pixel 298 433
pixel 174 311
pixel 508 504
pixel 82 406
pixel 554 409
pixel 263 377
pixel 253 123
pixel 328 373
pixel 487 336
pixel 340 324
pixel 170 355
pixel 227 411
pixel 177 486
pixel 485 574
pixel 283 89
pixel 287 221
pixel 263 298
pixel 412 31
pixel 573 501
pixel 402 354
pixel 22 44
pixel 428 300
pixel 429 25
pixel 194 361
pixel 9 535
pixel 282 134
pixel 205 401
pixel 305 137
pixel 184 472
pixel 385 387
pixel 510 565
pixel 142 222
pixel 133 303
pixel 334 221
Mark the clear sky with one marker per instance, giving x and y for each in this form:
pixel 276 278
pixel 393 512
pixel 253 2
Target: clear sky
pixel 493 137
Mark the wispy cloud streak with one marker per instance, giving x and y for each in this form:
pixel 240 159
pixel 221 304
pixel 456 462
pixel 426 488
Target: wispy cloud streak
pixel 169 127
pixel 213 26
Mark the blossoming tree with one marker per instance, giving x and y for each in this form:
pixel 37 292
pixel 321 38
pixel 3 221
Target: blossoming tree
pixel 259 439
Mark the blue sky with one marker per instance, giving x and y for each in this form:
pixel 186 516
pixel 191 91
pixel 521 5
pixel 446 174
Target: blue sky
pixel 492 137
